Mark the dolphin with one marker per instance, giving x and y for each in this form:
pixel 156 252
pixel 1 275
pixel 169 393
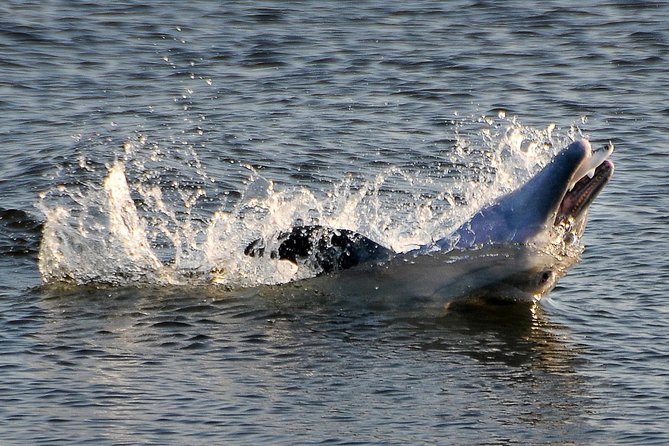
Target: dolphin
pixel 505 242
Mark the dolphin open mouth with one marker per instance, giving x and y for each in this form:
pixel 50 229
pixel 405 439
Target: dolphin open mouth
pixel 588 180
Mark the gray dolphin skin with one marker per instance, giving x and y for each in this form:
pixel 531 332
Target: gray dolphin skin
pixel 559 194
pixel 511 250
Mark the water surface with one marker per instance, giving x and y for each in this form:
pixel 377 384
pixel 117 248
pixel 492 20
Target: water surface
pixel 429 109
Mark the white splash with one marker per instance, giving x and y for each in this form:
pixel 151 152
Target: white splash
pixel 127 231
pixel 132 226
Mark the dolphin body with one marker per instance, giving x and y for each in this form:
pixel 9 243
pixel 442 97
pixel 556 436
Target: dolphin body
pixel 514 249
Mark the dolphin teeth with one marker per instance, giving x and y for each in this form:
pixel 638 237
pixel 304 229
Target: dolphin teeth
pixel 591 173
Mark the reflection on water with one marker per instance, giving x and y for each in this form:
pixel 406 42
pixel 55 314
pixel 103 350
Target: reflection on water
pixel 521 355
pixel 285 358
pixel 517 335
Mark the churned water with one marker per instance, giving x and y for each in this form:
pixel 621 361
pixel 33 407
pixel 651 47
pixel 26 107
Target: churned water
pixel 144 144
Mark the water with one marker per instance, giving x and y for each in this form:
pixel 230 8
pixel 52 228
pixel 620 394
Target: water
pixel 222 122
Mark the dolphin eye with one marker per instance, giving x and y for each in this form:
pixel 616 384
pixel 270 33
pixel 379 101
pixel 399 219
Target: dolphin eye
pixel 569 238
pixel 545 277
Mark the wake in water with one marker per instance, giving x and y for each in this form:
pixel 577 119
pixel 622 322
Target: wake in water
pixel 150 216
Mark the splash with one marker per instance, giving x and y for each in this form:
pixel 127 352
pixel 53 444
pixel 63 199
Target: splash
pixel 151 215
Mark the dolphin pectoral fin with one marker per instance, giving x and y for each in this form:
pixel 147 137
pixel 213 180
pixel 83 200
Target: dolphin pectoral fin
pixel 328 250
pixel 322 248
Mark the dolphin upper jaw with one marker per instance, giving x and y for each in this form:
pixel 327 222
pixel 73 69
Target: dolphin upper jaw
pixel 592 159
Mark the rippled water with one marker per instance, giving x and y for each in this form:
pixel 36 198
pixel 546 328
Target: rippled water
pixel 429 109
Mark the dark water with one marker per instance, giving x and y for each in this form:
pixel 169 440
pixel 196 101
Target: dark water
pixel 307 94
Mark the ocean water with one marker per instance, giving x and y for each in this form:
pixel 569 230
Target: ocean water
pixel 144 144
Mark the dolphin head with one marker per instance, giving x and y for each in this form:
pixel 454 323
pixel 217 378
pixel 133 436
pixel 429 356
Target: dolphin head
pixel 558 196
